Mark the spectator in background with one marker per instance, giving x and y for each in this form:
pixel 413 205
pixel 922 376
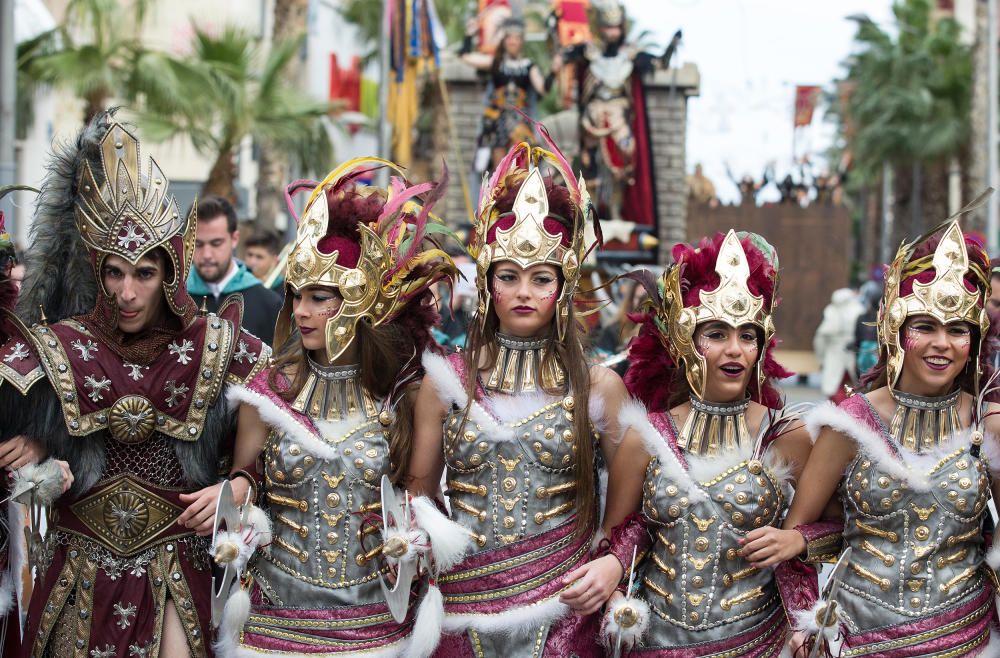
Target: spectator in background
pixel 615 336
pixel 701 189
pixel 217 275
pixel 993 301
pixel 263 252
pixel 865 334
pixel 833 340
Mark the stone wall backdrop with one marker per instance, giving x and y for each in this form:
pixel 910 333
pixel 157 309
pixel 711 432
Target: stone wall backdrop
pixel 666 100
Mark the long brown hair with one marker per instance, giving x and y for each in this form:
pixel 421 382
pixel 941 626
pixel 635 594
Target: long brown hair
pixel 569 354
pixel 388 355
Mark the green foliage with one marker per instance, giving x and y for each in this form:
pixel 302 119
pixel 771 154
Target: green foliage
pixel 228 89
pixel 911 94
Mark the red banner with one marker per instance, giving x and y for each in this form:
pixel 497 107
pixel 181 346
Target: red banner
pixel 574 23
pixel 805 102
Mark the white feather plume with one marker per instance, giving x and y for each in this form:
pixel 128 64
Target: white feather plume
pixel 631 636
pixel 427 628
pixel 449 541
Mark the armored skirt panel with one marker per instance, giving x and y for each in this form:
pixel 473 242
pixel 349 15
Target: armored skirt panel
pixel 706 600
pixel 315 589
pixel 917 583
pixel 509 480
pixel 114 559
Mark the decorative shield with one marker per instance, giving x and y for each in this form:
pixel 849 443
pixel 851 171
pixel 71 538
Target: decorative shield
pixel 396 516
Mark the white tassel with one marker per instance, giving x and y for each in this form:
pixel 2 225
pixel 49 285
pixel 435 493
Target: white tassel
pixel 45 480
pixel 234 616
pixel 449 541
pixel 415 540
pixel 236 547
pixel 427 628
pixel 807 621
pixel 259 520
pixel 615 621
pixel 993 555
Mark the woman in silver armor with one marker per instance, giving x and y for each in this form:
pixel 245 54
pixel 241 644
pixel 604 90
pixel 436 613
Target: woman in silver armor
pixel 516 421
pixel 713 457
pixel 331 416
pixel 907 461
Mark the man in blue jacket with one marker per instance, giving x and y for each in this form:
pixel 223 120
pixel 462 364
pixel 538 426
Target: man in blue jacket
pixel 217 274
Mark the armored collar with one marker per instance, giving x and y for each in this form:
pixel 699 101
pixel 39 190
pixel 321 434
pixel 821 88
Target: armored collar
pixel 334 393
pixel 519 368
pixel 712 428
pixel 924 423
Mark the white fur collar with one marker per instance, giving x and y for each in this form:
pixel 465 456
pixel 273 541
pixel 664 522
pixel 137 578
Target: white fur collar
pixel 530 616
pixel 280 419
pixel 914 471
pixel 633 415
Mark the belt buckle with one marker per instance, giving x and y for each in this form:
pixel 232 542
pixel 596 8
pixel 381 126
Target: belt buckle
pixel 126 516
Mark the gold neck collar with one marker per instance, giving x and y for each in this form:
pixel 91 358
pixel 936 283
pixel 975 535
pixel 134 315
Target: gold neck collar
pixel 713 428
pixel 334 393
pixel 519 367
pixel 924 423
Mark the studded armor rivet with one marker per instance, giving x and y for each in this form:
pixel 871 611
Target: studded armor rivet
pixel 348 452
pixel 476 460
pixel 683 502
pixel 701 543
pixel 157 581
pixel 964 483
pixel 952 496
pixel 537 446
pixel 62 367
pixel 695 617
pixel 279 476
pixel 885 503
pixel 176 576
pixel 738 518
pixel 732 554
pixel 308 460
pixel 508 522
pixel 915 602
pixel 730 488
pixel 86 584
pixel 698 581
pixel 74 553
pixel 68 397
pixel 52 343
pixel 470 436
pixel 742 498
pixel 298 472
pixel 671 490
pixel 567 436
pixel 80 644
pixel 84 613
pixel 545 457
pixel 755 467
pixel 333 499
pixel 884 482
pixel 921 532
pixel 213 346
pixel 193 431
pixel 102 418
pixel 509 483
pixel 74 424
pixel 187 604
pixel 674 511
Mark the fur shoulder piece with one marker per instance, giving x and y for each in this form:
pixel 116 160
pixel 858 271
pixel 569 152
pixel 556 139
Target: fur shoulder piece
pixel 633 416
pixel 273 410
pixel 58 273
pixel 440 372
pixel 849 421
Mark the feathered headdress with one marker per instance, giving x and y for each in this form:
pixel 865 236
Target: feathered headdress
pixel 528 218
pixel 729 278
pixel 377 246
pixel 944 274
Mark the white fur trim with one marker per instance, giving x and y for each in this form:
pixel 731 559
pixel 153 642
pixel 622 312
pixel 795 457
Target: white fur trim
pixel 515 619
pixel 426 632
pixel 992 648
pixel 280 419
pixel 449 541
pixel 633 415
pixel 11 583
pixel 993 555
pixel 990 450
pixel 449 388
pixel 630 636
pixel 869 442
pixel 234 616
pixel 511 408
pixel 596 411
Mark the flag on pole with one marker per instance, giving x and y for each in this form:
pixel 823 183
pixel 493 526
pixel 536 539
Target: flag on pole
pixel 805 103
pixel 416 38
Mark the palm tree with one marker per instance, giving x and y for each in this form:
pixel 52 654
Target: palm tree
pixel 273 162
pixel 94 52
pixel 228 90
pixel 910 102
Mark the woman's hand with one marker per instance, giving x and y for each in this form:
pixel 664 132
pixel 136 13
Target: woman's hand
pixel 594 583
pixel 20 451
pixel 200 512
pixel 766 547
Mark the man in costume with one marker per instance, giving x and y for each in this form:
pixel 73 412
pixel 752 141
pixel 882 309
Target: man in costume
pixel 111 367
pixel 614 135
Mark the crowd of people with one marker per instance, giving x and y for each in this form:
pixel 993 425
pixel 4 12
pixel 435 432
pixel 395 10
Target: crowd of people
pixel 368 489
pixel 802 186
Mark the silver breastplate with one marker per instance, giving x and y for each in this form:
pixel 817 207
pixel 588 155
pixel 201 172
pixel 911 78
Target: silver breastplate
pixel 506 490
pixel 694 576
pixel 318 503
pixel 914 551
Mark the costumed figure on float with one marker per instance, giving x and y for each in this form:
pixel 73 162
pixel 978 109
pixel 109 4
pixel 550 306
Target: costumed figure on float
pixel 518 421
pixel 712 456
pixel 515 84
pixel 111 367
pixel 614 131
pixel 332 417
pixel 909 461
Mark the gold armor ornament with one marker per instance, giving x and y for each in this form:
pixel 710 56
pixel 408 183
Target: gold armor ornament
pixel 731 302
pixel 526 242
pixel 365 291
pixel 945 298
pixel 130 215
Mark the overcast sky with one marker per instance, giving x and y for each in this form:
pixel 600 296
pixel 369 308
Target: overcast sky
pixel 751 54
